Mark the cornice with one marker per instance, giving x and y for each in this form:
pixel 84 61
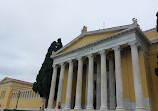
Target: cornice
pixel 22 88
pixel 143 36
pixel 146 31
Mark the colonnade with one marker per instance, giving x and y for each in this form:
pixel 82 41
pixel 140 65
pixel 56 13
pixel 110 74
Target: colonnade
pixel 118 77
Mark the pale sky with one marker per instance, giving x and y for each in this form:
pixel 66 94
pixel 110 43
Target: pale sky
pixel 28 27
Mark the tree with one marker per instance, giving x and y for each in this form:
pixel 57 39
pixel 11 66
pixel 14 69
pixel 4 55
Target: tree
pixel 44 77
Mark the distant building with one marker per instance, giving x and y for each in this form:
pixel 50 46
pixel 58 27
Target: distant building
pixel 107 69
pixel 28 100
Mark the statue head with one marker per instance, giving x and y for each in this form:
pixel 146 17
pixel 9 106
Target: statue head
pixel 84 29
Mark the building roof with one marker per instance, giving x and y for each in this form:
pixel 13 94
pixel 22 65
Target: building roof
pixel 6 80
pixel 152 35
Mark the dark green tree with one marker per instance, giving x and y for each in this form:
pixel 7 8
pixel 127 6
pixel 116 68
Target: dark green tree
pixel 44 77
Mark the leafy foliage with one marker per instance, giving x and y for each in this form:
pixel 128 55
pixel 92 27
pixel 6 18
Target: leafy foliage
pixel 156 69
pixel 44 77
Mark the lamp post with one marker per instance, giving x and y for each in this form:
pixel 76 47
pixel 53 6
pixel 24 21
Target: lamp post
pixel 18 99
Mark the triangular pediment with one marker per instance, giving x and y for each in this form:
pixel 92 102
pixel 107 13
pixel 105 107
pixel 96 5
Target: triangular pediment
pixel 5 80
pixel 90 37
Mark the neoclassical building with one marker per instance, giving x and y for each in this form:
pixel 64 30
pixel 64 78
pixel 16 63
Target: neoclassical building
pixel 28 99
pixel 106 69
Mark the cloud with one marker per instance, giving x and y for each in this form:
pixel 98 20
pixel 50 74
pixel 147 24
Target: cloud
pixel 27 28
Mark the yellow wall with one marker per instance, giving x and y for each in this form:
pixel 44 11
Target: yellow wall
pixel 152 34
pixel 153 78
pixel 74 85
pixel 88 39
pixel 127 76
pixel 20 85
pixel 7 88
pixel 152 64
pixel 24 103
pixel 64 85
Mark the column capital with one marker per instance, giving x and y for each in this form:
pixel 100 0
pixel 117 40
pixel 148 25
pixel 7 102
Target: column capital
pixel 62 64
pixel 102 52
pixel 116 48
pixel 54 65
pixel 79 58
pixel 70 61
pixel 90 56
pixel 133 43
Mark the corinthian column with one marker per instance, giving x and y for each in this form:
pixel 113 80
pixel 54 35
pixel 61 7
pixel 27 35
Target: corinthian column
pixel 103 81
pixel 112 83
pixel 90 82
pixel 60 86
pixel 79 84
pixel 137 77
pixel 52 89
pixel 118 75
pixel 69 86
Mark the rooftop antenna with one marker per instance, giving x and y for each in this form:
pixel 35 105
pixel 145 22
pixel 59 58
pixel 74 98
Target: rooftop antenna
pixel 103 24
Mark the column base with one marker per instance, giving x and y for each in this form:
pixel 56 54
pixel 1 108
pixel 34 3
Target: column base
pixel 120 108
pixel 140 109
pixel 67 108
pixel 77 107
pixel 49 109
pixel 89 108
pixel 103 108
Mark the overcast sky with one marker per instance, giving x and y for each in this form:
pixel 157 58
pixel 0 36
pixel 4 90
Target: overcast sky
pixel 28 27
